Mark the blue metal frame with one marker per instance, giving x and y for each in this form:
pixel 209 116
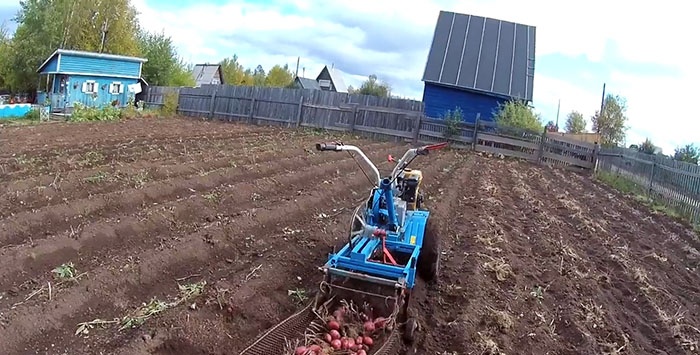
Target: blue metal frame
pixel 353 259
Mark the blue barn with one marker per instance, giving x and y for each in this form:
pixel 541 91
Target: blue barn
pixel 91 79
pixel 477 63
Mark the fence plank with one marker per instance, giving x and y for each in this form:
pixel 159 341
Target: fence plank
pixel 368 115
pixel 505 152
pixel 505 140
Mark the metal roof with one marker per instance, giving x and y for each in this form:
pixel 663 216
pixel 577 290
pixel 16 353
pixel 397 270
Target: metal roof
pixel 307 83
pixel 204 73
pixel 482 54
pixel 92 55
pixel 336 77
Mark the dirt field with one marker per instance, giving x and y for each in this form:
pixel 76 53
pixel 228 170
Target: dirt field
pixel 535 261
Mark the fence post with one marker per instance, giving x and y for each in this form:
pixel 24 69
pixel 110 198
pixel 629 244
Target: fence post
pixel 476 130
pixel 252 110
pixel 596 151
pixel 354 117
pixel 651 177
pixel 540 151
pixel 300 110
pixel 211 102
pixel 416 128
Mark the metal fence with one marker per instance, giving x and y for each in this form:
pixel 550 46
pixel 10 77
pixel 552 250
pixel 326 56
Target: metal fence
pixel 672 182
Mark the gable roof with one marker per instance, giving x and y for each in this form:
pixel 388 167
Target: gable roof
pixel 482 54
pixel 307 83
pixel 336 77
pixel 204 73
pixel 90 55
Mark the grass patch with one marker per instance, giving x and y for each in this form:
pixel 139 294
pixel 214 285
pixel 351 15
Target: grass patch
pixel 641 194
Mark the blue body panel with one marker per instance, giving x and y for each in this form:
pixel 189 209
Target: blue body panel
pixel 439 99
pixel 407 240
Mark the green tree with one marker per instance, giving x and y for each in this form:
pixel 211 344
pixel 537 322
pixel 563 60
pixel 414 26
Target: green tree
pixel 575 123
pixel 612 123
pixel 259 76
pixel 164 67
pixel 279 76
pixel 234 73
pixel 647 147
pixel 5 42
pixel 372 86
pixel 518 114
pixel 46 25
pixel 688 153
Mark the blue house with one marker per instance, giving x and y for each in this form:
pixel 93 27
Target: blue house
pixel 477 63
pixel 91 79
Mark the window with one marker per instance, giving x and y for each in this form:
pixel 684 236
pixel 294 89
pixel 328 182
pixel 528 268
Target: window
pixel 90 87
pixel 116 88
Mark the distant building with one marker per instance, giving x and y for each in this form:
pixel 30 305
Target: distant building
pixel 205 74
pixel 476 64
pixel 306 83
pixel 331 80
pixel 327 80
pixel 91 79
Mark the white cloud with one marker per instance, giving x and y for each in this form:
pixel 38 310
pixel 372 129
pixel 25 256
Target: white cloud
pixel 391 40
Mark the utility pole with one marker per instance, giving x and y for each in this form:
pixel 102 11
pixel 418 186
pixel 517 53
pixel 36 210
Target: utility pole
pixel 104 36
pixel 558 107
pixel 602 107
pixel 296 72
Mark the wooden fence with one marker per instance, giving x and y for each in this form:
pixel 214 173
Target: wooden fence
pixel 675 183
pixel 373 116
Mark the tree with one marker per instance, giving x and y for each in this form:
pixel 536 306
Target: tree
pixel 279 76
pixel 688 153
pixel 234 73
pixel 551 127
pixel 373 87
pixel 164 67
pixel 518 114
pixel 45 25
pixel 612 123
pixel 259 76
pixel 647 147
pixel 575 123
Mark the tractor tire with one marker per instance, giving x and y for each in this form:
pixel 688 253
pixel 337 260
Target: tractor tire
pixel 428 267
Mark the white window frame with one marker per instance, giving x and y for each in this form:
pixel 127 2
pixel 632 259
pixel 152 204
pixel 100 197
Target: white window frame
pixel 116 88
pixel 86 88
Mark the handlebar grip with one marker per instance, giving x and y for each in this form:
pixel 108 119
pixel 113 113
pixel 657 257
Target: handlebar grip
pixel 326 146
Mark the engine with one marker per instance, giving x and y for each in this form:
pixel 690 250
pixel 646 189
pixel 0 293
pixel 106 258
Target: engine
pixel 408 184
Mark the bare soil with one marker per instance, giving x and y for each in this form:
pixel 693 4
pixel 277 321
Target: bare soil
pixel 535 260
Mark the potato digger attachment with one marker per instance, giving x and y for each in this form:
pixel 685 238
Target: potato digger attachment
pixel 362 304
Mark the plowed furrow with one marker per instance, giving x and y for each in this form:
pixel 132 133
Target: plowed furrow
pixel 71 138
pixel 30 165
pixel 187 254
pixel 54 219
pixel 163 222
pixel 279 264
pixel 101 181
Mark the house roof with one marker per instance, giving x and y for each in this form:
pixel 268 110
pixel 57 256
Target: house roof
pixel 337 79
pixel 482 54
pixel 204 73
pixel 91 55
pixel 307 83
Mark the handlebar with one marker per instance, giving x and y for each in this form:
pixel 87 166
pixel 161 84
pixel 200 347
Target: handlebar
pixel 402 163
pixel 327 146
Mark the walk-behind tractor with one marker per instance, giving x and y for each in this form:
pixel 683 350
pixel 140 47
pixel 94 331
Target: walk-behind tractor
pixel 362 306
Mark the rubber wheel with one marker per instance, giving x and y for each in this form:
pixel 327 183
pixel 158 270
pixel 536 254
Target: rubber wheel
pixel 429 259
pixel 409 334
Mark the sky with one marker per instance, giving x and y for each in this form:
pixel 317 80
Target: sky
pixel 641 50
